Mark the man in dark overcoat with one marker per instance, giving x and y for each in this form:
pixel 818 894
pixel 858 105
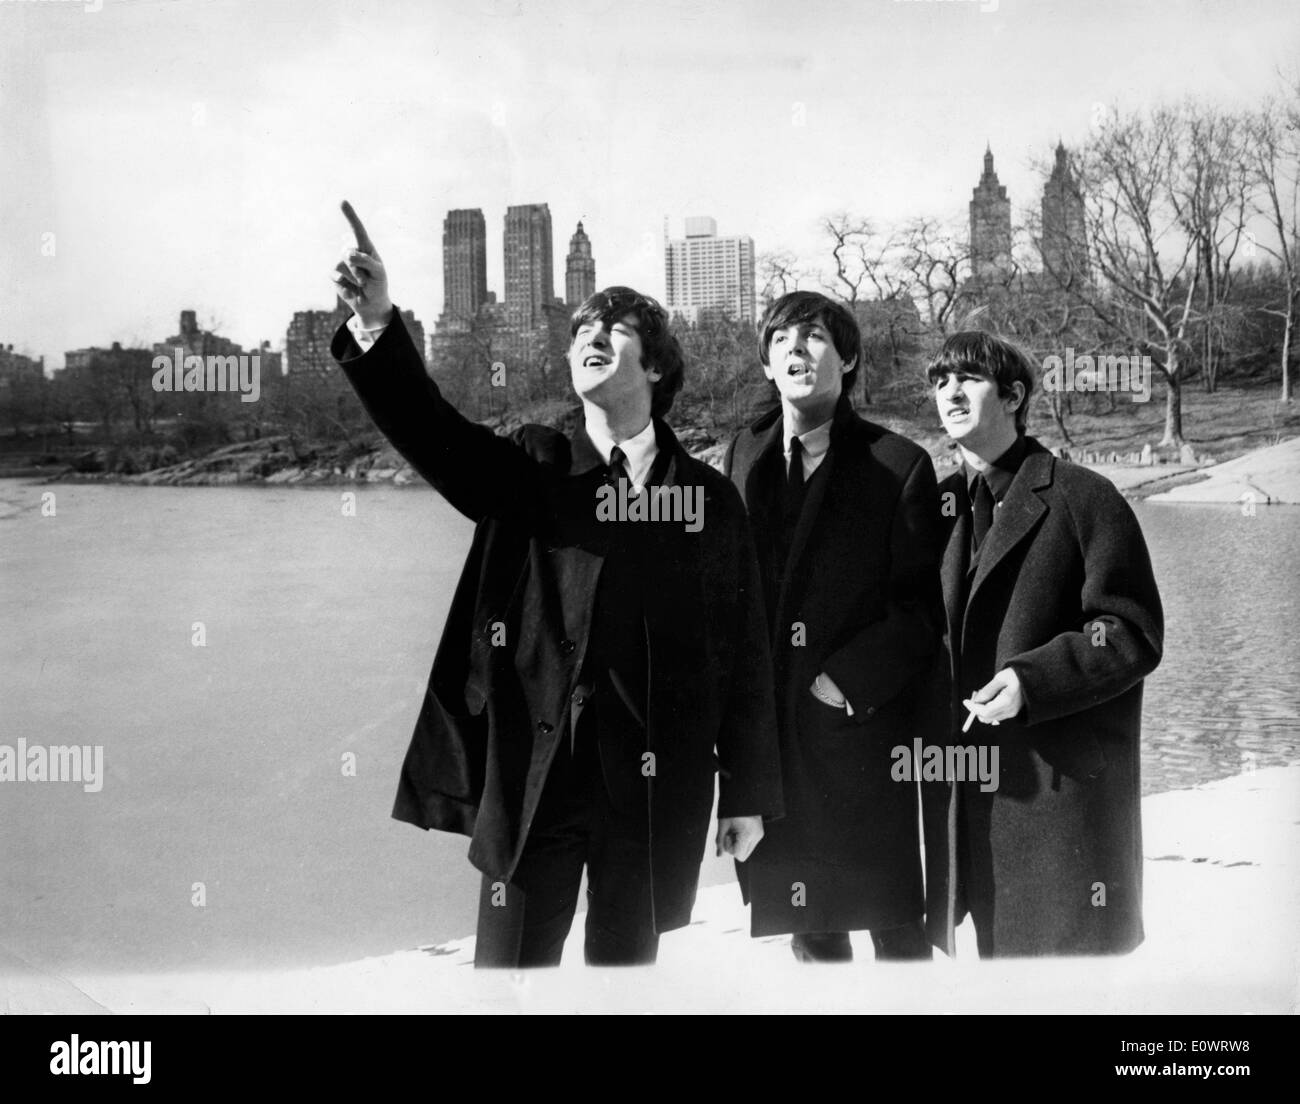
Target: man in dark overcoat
pixel 1053 620
pixel 843 517
pixel 605 651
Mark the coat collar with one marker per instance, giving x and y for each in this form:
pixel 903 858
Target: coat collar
pixel 584 456
pixel 1020 511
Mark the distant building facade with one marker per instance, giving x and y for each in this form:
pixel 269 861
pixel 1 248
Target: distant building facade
pixel 464 267
pixel 307 341
pixel 990 227
pixel 706 274
pixel 1064 245
pixel 17 370
pixel 579 269
pixel 529 266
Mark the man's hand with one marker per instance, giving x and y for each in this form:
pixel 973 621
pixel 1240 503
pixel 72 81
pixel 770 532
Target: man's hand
pixel 826 692
pixel 739 836
pixel 360 277
pixel 1000 699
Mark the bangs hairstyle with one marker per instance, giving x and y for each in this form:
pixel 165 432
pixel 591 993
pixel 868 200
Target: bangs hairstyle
pixel 659 348
pixel 978 353
pixel 799 307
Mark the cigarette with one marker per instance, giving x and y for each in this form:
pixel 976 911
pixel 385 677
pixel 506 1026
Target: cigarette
pixel 970 720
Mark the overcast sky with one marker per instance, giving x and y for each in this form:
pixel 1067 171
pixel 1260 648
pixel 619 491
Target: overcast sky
pixel 192 153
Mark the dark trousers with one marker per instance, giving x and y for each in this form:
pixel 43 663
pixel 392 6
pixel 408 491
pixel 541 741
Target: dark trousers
pixel 526 922
pixel 904 943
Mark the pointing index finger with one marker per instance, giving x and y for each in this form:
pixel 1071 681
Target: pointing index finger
pixel 363 239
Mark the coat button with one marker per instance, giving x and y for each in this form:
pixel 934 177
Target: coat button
pixel 870 710
pixel 578 699
pixel 544 728
pixel 567 647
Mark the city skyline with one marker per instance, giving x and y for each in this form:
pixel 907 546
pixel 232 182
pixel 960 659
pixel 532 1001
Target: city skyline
pixel 136 183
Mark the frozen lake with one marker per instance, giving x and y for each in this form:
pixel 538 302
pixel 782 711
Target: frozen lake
pixel 223 764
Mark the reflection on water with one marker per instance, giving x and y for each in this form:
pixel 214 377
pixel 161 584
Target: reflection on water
pixel 1225 698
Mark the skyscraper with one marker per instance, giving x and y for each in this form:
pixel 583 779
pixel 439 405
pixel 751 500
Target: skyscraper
pixel 530 273
pixel 464 264
pixel 579 269
pixel 1065 243
pixel 704 273
pixel 990 226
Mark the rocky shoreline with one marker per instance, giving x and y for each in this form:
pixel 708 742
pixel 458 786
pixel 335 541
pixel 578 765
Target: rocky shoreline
pixel 273 461
pixel 277 461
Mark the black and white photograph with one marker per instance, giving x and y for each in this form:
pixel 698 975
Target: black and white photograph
pixel 538 507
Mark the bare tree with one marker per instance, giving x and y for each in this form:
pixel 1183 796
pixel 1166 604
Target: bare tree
pixel 1138 244
pixel 932 257
pixel 779 273
pixel 1273 150
pixel 1211 194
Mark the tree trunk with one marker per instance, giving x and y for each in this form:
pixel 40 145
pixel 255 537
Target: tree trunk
pixel 1288 333
pixel 1173 407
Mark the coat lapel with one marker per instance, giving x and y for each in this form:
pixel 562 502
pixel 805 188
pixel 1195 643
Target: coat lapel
pixel 812 505
pixel 955 553
pixel 1019 513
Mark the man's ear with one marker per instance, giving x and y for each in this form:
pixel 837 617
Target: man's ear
pixel 653 374
pixel 1019 396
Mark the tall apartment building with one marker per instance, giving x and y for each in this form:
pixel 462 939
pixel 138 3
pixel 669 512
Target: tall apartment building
pixel 529 265
pixel 704 273
pixel 1065 242
pixel 464 265
pixel 990 226
pixel 579 269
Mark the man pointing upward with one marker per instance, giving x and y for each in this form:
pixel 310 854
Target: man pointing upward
pixel 592 675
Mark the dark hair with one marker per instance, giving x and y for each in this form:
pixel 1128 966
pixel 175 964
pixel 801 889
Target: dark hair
pixel 984 354
pixel 810 306
pixel 659 348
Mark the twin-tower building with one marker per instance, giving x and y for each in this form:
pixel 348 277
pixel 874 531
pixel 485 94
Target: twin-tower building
pixel 1063 245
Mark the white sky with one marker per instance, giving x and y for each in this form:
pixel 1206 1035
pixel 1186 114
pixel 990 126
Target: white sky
pixel 192 153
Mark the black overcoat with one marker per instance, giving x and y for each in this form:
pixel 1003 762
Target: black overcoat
pixel 507 665
pixel 1062 591
pixel 857 598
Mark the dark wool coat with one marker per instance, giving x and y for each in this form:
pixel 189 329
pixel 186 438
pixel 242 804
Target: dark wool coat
pixel 1061 591
pixel 857 598
pixel 493 715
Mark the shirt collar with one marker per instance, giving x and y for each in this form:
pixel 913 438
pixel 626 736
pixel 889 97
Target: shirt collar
pixel 815 443
pixel 1003 471
pixel 640 451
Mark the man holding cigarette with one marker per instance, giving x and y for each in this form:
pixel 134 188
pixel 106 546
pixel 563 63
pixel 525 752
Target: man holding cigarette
pixel 592 673
pixel 1053 621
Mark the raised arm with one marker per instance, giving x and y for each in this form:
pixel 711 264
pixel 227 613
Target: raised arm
pixel 479 473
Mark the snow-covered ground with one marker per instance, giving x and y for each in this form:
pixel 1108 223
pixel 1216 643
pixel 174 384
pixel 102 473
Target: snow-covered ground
pixel 1222 905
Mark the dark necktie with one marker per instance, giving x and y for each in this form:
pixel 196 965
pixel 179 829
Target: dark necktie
pixel 982 510
pixel 794 480
pixel 618 465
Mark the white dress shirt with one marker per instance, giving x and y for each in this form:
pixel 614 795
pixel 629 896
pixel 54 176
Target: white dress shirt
pixel 640 451
pixel 816 444
pixel 363 337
